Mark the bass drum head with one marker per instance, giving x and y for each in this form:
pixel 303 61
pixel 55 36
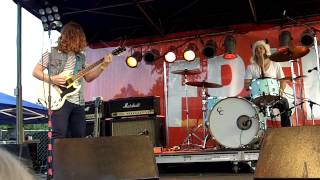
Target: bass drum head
pixel 234 122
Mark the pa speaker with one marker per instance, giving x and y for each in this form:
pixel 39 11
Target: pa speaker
pixel 145 125
pixel 290 153
pixel 112 158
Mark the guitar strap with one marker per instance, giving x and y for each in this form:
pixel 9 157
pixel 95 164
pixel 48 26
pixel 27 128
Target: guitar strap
pixel 77 65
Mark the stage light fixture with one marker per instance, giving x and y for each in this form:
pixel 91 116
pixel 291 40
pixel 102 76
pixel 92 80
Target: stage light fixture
pixel 50 17
pixel 133 60
pixel 307 38
pixel 189 53
pixel 170 56
pixel 151 56
pixel 285 39
pixel 229 47
pixel 209 49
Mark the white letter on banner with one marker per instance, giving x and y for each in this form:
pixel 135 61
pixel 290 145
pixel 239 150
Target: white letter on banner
pixel 237 76
pixel 177 91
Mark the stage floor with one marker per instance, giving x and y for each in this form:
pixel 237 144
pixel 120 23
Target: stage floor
pixel 204 165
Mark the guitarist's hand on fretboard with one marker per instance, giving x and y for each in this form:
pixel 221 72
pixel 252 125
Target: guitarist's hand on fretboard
pixel 106 61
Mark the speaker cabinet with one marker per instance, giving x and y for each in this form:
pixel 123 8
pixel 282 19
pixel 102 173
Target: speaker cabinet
pixel 149 126
pixel 122 157
pixel 290 153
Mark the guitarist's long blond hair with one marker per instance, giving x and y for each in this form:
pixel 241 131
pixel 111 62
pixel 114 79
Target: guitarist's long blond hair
pixel 72 39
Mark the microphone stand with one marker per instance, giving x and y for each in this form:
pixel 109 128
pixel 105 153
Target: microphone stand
pixel 50 140
pixel 315 41
pixel 97 105
pixel 311 103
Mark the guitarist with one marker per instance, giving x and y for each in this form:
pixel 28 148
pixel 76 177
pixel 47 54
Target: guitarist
pixel 69 120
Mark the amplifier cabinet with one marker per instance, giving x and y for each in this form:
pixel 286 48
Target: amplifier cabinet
pixel 134 106
pixel 144 125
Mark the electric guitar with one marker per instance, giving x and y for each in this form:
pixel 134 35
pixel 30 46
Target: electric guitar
pixel 59 94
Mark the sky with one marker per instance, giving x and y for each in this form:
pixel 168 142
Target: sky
pixel 35 41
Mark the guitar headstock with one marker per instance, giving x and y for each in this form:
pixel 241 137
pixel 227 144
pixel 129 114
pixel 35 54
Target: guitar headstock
pixel 118 51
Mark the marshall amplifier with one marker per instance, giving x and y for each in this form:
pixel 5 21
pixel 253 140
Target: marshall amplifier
pixel 134 106
pixel 90 109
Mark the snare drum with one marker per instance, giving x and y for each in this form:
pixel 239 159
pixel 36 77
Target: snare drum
pixel 234 122
pixel 264 90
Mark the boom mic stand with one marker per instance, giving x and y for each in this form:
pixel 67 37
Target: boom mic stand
pixel 315 40
pixel 50 140
pixel 311 103
pixel 97 105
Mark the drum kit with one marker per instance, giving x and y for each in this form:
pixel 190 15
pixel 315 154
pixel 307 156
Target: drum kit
pixel 235 122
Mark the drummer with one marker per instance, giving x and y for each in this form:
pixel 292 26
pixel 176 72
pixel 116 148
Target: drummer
pixel 261 66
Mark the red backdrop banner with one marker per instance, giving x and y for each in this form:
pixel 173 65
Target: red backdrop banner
pixel 149 80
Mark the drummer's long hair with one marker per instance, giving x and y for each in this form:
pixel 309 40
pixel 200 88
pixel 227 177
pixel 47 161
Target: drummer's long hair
pixel 72 38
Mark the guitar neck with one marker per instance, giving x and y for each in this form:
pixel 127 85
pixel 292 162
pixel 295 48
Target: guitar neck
pixel 86 70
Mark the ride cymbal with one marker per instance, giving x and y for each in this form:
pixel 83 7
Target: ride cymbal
pixel 287 54
pixel 203 84
pixel 187 72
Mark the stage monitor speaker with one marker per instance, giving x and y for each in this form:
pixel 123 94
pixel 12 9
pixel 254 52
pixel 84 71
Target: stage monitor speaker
pixel 120 157
pixel 149 126
pixel 290 153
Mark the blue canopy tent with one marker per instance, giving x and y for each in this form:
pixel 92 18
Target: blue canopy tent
pixel 32 113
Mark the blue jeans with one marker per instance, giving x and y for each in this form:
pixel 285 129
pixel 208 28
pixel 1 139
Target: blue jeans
pixel 69 121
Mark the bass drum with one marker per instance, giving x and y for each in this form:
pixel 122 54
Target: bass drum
pixel 234 122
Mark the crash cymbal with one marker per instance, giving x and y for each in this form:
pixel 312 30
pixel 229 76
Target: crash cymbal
pixel 203 84
pixel 290 78
pixel 287 54
pixel 187 72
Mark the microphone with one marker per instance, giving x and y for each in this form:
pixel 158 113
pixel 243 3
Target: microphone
pixel 283 17
pixel 310 70
pixel 312 103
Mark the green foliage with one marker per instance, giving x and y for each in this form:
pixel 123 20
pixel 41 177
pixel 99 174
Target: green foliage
pixel 27 127
pixel 36 127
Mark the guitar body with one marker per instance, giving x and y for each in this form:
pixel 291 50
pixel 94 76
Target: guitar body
pixel 59 94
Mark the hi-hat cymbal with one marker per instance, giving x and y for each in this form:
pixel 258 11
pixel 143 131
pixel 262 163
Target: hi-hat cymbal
pixel 290 78
pixel 287 54
pixel 203 84
pixel 187 72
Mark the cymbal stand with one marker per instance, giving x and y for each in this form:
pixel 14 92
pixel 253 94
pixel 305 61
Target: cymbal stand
pixel 204 115
pixel 293 77
pixel 190 133
pixel 300 89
